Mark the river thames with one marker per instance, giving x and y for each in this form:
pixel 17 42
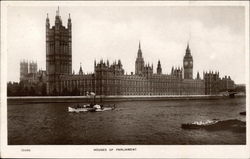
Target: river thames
pixel 132 122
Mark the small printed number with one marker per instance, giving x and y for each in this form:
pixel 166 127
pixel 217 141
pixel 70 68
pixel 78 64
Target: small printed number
pixel 25 150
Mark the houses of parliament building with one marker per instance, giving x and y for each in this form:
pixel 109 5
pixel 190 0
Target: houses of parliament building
pixel 109 78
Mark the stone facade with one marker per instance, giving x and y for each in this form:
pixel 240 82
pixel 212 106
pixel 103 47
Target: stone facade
pixel 188 64
pixel 214 84
pixel 211 83
pixel 110 79
pixel 24 69
pixel 32 81
pixel 32 67
pixel 58 53
pixel 226 83
pixel 29 74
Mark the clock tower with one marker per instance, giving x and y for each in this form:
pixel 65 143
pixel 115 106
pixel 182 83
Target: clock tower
pixel 188 64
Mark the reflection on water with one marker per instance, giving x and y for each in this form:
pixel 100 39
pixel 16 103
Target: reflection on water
pixel 135 122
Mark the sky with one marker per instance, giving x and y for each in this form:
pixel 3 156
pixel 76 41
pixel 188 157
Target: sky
pixel 216 36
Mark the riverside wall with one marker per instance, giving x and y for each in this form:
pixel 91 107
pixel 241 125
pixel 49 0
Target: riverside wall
pixel 84 99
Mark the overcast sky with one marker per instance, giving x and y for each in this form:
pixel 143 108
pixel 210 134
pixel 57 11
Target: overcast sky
pixel 216 36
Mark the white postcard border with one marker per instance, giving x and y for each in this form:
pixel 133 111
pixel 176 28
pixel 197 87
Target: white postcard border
pixel 141 151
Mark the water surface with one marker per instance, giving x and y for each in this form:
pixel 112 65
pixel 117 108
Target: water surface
pixel 134 122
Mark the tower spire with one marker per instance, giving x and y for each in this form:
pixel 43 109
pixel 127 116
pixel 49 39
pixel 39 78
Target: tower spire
pixel 139 54
pixel 58 11
pixel 139 63
pixel 80 70
pixel 47 21
pixel 159 69
pixel 69 22
pixel 188 49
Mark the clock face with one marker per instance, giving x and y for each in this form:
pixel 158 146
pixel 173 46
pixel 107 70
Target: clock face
pixel 191 63
pixel 185 63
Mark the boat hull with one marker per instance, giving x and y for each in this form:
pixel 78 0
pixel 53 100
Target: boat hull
pixel 84 109
pixel 70 109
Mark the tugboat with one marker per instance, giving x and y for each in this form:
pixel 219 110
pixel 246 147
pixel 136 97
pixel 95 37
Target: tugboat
pixel 81 108
pixel 233 125
pixel 92 107
pixel 198 124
